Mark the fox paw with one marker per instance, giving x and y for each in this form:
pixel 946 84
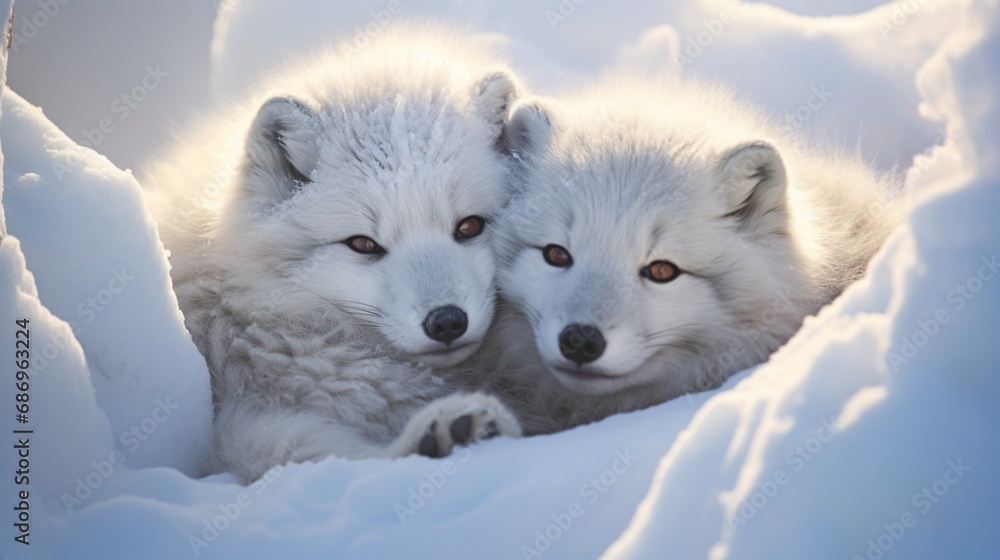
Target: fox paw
pixel 458 420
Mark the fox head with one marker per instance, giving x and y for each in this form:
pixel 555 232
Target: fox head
pixel 646 250
pixel 375 208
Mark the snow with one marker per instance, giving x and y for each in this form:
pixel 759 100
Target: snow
pixel 99 266
pixel 62 398
pixel 867 436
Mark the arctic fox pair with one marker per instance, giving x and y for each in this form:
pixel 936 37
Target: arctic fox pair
pixel 338 272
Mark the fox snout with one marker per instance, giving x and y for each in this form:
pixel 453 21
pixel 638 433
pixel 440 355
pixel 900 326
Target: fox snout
pixel 581 343
pixel 445 324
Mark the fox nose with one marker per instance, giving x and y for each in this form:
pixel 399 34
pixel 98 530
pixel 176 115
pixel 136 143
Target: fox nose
pixel 581 343
pixel 445 324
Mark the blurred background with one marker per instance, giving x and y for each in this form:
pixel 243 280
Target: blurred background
pixel 119 76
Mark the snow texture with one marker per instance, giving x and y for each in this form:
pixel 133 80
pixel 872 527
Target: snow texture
pixel 869 435
pixel 99 266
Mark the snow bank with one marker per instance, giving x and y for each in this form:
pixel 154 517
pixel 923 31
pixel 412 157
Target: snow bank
pixel 872 430
pixel 65 434
pixel 99 266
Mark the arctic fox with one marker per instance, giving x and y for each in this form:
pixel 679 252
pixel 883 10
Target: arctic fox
pixel 330 250
pixel 663 237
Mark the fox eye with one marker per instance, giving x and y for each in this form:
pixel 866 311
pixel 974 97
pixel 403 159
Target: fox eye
pixel 660 272
pixel 364 245
pixel 469 227
pixel 557 256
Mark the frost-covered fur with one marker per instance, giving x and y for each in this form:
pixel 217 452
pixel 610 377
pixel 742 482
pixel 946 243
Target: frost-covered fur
pixel 316 349
pixel 626 174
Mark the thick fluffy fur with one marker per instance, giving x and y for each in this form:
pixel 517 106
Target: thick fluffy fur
pixel 316 349
pixel 629 173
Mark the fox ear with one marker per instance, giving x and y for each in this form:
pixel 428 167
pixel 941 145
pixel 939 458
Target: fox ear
pixel 281 148
pixel 492 96
pixel 529 130
pixel 753 181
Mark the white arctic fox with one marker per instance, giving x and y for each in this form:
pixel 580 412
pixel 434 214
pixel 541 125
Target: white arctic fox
pixel 330 250
pixel 664 237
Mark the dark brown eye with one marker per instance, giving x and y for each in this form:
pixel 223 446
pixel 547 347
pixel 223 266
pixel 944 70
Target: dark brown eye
pixel 364 245
pixel 660 271
pixel 557 256
pixel 469 227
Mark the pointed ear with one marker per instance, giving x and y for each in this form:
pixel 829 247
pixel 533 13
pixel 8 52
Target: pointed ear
pixel 753 182
pixel 492 96
pixel 281 148
pixel 529 130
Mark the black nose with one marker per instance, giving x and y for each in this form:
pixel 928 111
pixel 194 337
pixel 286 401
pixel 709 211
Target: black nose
pixel 445 324
pixel 581 343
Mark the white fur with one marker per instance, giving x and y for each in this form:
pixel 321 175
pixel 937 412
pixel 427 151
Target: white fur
pixel 629 172
pixel 315 349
